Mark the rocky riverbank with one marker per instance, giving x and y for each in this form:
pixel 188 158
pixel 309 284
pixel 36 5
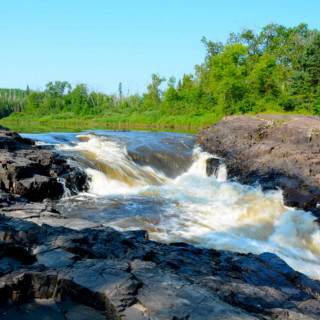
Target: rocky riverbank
pixel 56 268
pixel 33 172
pixel 276 151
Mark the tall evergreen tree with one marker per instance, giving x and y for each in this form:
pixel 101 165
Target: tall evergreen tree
pixel 306 81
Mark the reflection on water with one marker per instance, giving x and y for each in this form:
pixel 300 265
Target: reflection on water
pixel 135 192
pixel 34 127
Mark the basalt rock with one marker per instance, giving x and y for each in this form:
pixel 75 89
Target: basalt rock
pixel 13 141
pixel 35 173
pixel 99 273
pixel 57 268
pixel 275 151
pixel 213 165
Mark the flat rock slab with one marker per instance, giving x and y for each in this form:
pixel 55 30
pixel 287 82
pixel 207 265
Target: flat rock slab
pixel 49 310
pixel 51 272
pixel 56 268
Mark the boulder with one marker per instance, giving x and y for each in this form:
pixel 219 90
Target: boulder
pixel 35 173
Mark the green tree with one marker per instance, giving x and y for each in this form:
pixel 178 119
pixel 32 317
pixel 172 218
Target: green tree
pixel 227 77
pixel 153 97
pixel 35 102
pixel 306 82
pixel 79 99
pixel 264 78
pixel 171 94
pixel 55 94
pixel 57 88
pixel 248 38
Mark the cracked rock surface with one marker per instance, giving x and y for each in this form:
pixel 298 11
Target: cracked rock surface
pixel 114 275
pixel 35 173
pixel 57 268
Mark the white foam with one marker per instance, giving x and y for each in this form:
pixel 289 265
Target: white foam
pixel 114 171
pixel 207 211
pixel 103 186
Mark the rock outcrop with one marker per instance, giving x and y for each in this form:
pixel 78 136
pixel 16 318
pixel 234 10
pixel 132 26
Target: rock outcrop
pixel 276 151
pixel 113 275
pixel 35 173
pixel 57 268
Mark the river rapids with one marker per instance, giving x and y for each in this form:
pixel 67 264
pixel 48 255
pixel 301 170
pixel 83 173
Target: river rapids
pixel 157 182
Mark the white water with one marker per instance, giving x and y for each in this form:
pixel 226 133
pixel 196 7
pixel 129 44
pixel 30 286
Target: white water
pixel 206 211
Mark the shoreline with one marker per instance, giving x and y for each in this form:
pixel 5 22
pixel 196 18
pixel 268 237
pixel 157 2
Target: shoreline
pixel 50 263
pixel 106 125
pixel 275 151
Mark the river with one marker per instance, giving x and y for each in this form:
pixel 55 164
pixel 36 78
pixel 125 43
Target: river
pixel 157 181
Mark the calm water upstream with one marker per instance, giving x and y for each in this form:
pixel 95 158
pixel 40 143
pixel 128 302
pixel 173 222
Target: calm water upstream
pixel 157 181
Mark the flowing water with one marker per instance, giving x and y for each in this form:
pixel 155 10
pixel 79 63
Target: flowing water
pixel 157 181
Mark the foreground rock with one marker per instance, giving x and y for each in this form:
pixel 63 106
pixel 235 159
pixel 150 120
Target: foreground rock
pixel 57 268
pixel 35 173
pixel 97 273
pixel 274 150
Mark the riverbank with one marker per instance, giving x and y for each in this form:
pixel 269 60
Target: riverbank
pixel 276 151
pixel 38 127
pixel 154 120
pixel 64 268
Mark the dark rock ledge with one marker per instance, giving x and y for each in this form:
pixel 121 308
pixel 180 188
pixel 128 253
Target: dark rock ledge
pixel 276 151
pixel 35 173
pixel 55 268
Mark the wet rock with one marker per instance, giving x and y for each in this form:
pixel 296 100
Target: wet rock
pixel 99 272
pixel 34 173
pixel 13 141
pixel 75 181
pixel 57 268
pixel 213 165
pixel 276 151
pixel 38 188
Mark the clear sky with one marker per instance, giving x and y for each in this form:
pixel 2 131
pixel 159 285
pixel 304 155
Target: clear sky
pixel 104 42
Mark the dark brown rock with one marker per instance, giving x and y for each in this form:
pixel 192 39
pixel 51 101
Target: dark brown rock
pixel 38 188
pixel 125 276
pixel 34 173
pixel 277 151
pixel 213 165
pixel 13 141
pixel 57 268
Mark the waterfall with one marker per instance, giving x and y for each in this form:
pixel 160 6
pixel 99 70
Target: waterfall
pixel 197 207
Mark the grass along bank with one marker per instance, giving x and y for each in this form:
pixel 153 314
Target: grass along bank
pixel 146 121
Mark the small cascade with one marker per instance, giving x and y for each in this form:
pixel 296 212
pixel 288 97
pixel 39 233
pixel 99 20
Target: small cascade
pixel 112 170
pixel 66 190
pixel 199 206
pixel 222 173
pixel 216 167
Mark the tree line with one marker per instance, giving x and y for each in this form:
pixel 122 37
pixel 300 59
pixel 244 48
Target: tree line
pixel 12 100
pixel 275 70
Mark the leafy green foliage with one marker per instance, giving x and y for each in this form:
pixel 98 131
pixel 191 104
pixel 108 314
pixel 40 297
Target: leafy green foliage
pixel 274 71
pixel 306 81
pixel 12 100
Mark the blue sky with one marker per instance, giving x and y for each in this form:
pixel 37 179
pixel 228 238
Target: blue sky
pixel 102 42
